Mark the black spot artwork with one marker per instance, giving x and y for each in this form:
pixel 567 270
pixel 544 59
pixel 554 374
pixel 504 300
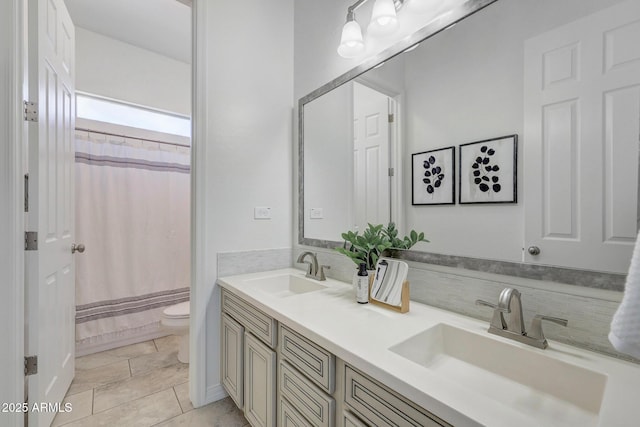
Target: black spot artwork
pixel 484 172
pixel 433 175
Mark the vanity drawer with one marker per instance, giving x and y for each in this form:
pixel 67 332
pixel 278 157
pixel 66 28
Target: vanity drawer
pixel 350 420
pixel 310 401
pixel 380 406
pixel 315 362
pixel 254 320
pixel 289 417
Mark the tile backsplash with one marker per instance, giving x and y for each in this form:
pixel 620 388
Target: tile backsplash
pixel 588 310
pixel 244 262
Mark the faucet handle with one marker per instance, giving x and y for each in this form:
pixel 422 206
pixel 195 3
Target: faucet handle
pixel 491 305
pixel 535 331
pixel 321 272
pixel 497 321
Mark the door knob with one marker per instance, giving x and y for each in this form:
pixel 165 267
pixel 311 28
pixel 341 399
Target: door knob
pixel 77 248
pixel 533 250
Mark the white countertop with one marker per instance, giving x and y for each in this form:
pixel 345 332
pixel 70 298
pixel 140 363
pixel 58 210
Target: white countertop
pixel 362 334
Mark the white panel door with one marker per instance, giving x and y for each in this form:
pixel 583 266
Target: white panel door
pixel 50 270
pixel 582 126
pixel 371 157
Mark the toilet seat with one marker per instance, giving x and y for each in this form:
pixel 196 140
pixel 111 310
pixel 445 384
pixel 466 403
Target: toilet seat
pixel 178 311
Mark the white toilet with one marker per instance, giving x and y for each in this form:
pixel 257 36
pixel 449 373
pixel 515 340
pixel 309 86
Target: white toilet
pixel 175 319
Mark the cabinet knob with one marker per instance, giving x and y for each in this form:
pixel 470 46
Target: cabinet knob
pixel 533 250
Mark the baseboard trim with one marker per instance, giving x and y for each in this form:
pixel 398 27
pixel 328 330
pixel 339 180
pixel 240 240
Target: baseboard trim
pixel 215 393
pixel 88 347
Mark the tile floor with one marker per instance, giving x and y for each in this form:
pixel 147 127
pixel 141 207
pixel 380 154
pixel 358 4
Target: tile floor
pixel 140 385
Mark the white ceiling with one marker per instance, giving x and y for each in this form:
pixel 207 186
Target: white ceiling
pixel 161 26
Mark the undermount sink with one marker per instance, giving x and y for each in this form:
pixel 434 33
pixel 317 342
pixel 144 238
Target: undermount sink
pixel 527 381
pixel 287 285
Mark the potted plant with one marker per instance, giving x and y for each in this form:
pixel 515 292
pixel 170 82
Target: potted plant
pixel 369 246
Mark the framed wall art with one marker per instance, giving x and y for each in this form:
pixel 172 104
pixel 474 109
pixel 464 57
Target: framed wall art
pixel 488 171
pixel 433 177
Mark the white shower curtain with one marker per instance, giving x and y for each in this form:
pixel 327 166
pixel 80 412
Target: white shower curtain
pixel 132 213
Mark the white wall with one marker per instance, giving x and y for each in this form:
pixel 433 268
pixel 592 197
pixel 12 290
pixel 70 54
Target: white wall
pixel 11 221
pixel 242 147
pixel 111 68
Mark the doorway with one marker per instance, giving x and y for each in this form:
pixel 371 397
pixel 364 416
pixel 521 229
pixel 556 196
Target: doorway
pixel 133 77
pixel 117 70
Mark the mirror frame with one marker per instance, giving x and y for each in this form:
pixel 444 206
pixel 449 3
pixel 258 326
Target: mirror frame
pixel 600 280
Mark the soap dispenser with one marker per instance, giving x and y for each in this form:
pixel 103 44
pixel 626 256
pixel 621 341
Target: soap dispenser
pixel 362 284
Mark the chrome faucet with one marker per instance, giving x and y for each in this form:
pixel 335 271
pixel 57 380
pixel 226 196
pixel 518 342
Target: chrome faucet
pixel 313 271
pixel 510 303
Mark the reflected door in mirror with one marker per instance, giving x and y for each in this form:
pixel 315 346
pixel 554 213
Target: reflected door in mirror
pixel 371 145
pixel 581 130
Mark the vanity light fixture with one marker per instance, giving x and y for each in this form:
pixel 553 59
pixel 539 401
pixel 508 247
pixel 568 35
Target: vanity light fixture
pixel 351 42
pixel 384 21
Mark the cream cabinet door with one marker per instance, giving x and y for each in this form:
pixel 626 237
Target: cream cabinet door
pixel 259 383
pixel 232 350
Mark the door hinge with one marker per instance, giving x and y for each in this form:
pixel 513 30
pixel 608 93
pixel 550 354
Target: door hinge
pixel 391 118
pixel 391 172
pixel 30 240
pixel 30 111
pixel 26 192
pixel 30 365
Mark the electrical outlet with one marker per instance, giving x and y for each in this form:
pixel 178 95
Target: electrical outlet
pixel 316 213
pixel 262 213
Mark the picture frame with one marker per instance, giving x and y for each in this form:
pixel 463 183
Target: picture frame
pixel 433 177
pixel 488 171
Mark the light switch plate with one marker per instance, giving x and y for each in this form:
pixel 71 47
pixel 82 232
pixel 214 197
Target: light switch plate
pixel 262 213
pixel 316 213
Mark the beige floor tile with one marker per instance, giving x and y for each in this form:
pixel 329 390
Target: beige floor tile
pixel 182 391
pixel 114 394
pixel 81 407
pixel 151 361
pixel 115 355
pixel 222 413
pixel 168 343
pixel 143 412
pixel 91 378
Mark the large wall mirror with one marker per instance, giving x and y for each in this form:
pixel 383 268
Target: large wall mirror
pixel 473 82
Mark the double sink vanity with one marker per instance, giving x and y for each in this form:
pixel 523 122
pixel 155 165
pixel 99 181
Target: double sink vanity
pixel 301 352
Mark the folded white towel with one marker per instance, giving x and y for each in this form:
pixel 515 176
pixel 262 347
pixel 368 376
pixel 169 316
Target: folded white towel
pixel 625 327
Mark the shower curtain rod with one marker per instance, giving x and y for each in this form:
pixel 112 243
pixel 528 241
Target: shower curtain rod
pixel 132 137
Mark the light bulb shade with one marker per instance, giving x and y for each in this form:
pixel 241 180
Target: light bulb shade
pixel 384 20
pixel 351 43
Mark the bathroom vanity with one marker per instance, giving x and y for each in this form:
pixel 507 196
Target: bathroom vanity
pixel 300 352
